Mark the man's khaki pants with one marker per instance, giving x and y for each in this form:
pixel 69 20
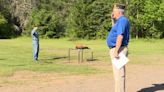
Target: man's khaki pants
pixel 119 75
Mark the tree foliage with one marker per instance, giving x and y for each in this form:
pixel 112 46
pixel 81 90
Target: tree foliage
pixel 89 19
pixel 16 13
pixel 84 19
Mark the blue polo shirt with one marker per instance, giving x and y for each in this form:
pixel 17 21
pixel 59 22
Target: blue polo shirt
pixel 121 27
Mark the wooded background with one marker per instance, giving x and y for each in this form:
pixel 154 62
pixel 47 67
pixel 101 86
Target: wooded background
pixel 78 19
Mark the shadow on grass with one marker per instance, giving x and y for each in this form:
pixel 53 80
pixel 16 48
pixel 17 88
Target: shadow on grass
pixel 2 59
pixel 91 60
pixel 51 60
pixel 156 87
pixel 18 65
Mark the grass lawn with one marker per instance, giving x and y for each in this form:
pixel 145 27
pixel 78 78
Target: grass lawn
pixel 16 54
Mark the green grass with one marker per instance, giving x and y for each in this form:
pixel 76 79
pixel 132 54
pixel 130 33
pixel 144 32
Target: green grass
pixel 147 52
pixel 16 54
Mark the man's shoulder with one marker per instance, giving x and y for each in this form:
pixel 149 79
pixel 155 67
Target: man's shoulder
pixel 32 31
pixel 123 18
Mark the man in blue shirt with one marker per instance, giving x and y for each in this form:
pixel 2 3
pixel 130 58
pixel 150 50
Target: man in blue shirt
pixel 117 41
pixel 35 43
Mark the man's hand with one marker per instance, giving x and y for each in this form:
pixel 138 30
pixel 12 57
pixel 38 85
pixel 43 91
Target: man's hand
pixel 112 16
pixel 118 45
pixel 112 19
pixel 116 55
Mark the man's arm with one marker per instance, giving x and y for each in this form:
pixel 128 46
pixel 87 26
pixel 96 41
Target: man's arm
pixel 118 45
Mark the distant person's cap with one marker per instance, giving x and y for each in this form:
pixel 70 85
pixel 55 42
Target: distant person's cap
pixel 119 6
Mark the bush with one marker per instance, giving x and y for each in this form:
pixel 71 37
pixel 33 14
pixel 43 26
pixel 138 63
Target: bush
pixel 5 28
pixel 50 24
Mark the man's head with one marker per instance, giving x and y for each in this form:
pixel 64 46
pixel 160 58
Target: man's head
pixel 35 26
pixel 118 10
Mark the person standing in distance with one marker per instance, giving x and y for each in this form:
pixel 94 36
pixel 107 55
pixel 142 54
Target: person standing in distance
pixel 117 41
pixel 35 43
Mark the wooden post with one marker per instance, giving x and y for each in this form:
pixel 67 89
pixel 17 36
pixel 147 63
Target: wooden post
pixel 69 57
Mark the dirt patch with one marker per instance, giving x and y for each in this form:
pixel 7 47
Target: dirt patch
pixel 140 78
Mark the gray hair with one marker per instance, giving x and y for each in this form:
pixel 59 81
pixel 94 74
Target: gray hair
pixel 121 10
pixel 120 7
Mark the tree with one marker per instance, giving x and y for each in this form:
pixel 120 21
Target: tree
pixel 21 10
pixel 135 12
pixel 152 18
pixel 89 19
pixel 84 19
pixel 16 13
pixel 146 18
pixel 51 17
